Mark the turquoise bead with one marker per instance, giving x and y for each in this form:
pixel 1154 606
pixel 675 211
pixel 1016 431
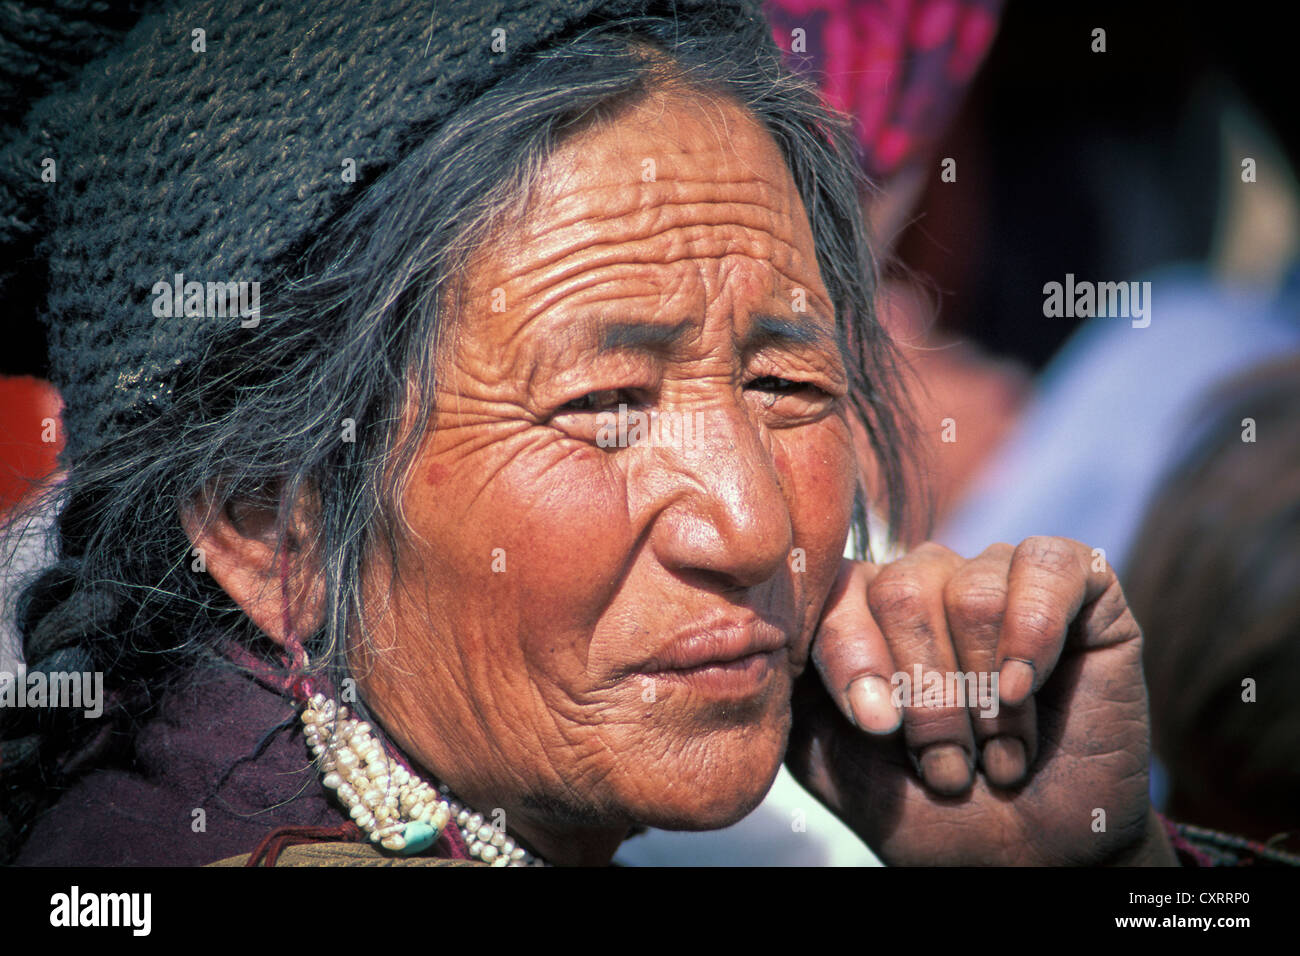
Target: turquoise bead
pixel 419 836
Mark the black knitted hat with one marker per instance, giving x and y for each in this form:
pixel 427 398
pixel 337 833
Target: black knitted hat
pixel 218 155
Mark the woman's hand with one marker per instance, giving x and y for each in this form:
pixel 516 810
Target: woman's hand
pixel 1046 766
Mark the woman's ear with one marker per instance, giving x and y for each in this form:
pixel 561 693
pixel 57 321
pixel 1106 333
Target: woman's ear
pixel 239 543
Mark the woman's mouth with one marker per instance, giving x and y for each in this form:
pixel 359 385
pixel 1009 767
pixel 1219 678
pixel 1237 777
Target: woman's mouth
pixel 733 658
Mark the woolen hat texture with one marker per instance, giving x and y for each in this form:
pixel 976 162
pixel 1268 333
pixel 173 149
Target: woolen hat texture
pixel 218 156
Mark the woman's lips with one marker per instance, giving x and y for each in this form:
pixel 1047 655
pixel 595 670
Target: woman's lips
pixel 727 660
pixel 739 678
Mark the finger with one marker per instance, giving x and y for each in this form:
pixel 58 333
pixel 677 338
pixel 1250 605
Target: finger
pixel 906 600
pixel 1049 582
pixel 1006 738
pixel 851 655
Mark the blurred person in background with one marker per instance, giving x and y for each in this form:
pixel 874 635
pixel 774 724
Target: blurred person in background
pixel 1215 581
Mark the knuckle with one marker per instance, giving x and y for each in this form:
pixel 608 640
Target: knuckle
pixel 896 594
pixel 1054 555
pixel 973 603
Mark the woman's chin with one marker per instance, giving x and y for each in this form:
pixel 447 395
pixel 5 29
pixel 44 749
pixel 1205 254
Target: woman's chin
pixel 715 786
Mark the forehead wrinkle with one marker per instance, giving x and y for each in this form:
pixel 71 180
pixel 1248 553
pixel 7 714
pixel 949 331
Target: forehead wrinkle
pixel 591 160
pixel 562 281
pixel 578 269
pixel 599 329
pixel 719 113
pixel 570 207
pixel 600 240
pixel 596 221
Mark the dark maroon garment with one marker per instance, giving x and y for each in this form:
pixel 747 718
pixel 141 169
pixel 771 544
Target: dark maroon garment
pixel 145 816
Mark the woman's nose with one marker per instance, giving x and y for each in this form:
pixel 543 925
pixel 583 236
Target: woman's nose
pixel 716 500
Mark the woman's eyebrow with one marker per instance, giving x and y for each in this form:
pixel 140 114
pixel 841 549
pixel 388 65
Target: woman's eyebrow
pixel 643 336
pixel 779 330
pixel 766 330
pixel 563 348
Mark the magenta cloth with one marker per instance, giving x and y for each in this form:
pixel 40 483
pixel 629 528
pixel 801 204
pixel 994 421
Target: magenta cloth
pixel 898 67
pixel 144 815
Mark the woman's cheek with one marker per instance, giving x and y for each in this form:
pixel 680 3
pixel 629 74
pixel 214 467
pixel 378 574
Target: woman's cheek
pixel 560 520
pixel 819 476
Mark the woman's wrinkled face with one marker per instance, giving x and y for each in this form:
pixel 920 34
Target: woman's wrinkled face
pixel 634 500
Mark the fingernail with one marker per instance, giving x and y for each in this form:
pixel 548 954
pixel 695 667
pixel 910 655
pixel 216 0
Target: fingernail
pixel 1004 760
pixel 946 768
pixel 1015 680
pixel 873 711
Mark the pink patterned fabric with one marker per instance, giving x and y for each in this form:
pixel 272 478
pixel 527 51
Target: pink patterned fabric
pixel 898 67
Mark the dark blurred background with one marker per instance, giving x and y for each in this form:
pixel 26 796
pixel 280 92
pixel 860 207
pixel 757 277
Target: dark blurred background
pixel 1104 165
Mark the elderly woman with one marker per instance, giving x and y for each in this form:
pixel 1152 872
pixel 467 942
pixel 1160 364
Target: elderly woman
pixel 466 409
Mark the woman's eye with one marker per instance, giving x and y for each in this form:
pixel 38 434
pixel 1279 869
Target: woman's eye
pixel 790 400
pixel 597 401
pixel 773 383
pixel 595 417
pixel 778 388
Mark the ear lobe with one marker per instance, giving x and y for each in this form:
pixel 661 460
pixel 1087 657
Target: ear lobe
pixel 244 554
